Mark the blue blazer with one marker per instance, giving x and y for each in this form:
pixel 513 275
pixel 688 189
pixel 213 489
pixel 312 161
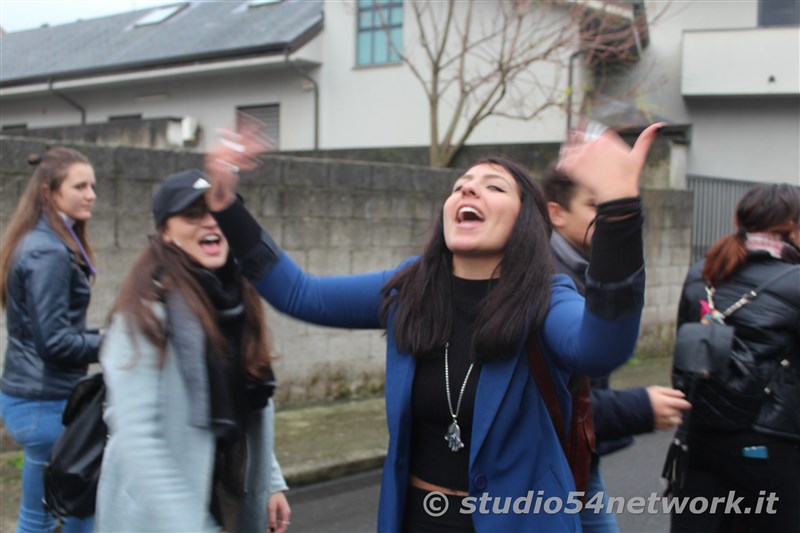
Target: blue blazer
pixel 514 446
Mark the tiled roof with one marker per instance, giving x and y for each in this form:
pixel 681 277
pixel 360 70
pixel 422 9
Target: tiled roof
pixel 197 31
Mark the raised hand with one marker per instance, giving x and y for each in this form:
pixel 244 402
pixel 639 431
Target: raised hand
pixel 600 160
pixel 236 151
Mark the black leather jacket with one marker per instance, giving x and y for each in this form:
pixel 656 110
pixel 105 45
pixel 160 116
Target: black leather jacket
pixel 769 325
pixel 49 347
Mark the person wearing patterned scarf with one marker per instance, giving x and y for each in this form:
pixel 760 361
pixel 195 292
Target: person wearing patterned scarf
pixel 763 459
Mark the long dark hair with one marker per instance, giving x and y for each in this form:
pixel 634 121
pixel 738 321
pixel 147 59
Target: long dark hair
pixel 161 268
pixel 418 298
pixel 51 170
pixel 770 208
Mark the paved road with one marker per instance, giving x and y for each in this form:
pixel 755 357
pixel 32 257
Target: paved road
pixel 636 471
pixel 350 504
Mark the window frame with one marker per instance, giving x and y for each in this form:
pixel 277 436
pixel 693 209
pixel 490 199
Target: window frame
pixel 272 128
pixel 376 9
pixel 769 18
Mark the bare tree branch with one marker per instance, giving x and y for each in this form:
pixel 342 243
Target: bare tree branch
pixel 485 59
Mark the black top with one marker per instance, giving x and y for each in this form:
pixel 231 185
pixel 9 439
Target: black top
pixel 431 458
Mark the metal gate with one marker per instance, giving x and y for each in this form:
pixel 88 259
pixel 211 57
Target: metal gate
pixel 714 210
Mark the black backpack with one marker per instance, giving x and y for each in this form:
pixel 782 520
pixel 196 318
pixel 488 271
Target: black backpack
pixel 720 376
pixel 71 475
pixel 723 379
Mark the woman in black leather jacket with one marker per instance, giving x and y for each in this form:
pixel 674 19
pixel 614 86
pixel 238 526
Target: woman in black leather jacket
pixel 763 457
pixel 47 267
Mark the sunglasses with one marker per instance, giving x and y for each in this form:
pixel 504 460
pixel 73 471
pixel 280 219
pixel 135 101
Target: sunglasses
pixel 195 212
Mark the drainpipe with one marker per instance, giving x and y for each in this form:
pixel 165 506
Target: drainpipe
pixel 572 58
pixel 68 100
pixel 305 76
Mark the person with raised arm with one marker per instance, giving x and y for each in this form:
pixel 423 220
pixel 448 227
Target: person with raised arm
pixel 466 420
pixel 187 363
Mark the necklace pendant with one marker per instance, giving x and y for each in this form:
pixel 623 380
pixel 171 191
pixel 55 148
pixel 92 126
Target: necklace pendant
pixel 453 436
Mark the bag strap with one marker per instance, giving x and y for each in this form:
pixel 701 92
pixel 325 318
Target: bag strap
pixel 748 296
pixel 544 382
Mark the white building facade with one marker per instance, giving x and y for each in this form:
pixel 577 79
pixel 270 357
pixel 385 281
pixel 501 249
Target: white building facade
pixel 727 69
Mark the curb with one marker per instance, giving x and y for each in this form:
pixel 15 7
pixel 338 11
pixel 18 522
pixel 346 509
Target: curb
pixel 300 476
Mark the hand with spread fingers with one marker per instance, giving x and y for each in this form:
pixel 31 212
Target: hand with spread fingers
pixel 236 151
pixel 598 158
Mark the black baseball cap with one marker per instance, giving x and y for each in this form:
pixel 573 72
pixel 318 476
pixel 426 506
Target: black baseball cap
pixel 177 192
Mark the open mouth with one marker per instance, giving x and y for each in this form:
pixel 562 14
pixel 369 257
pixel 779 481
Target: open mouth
pixel 469 214
pixel 211 244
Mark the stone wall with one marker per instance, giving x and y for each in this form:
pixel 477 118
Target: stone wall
pixel 332 217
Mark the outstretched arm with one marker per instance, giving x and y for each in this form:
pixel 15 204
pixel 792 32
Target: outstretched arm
pixel 621 413
pixel 628 412
pixel 351 301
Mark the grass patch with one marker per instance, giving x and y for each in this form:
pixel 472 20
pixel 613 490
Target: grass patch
pixel 643 373
pixel 16 460
pixel 10 478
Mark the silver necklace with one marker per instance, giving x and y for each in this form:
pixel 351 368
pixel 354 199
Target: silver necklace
pixel 453 435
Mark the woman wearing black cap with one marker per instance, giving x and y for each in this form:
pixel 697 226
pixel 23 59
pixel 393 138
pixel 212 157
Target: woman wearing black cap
pixel 187 365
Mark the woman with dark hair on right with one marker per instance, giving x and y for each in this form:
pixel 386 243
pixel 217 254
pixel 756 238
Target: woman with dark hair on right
pixel 762 457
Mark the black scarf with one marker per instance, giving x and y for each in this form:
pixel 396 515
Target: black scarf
pixel 233 393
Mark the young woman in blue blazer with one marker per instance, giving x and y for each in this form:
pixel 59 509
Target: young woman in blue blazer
pixel 472 446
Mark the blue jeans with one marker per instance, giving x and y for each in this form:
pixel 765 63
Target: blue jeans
pixel 35 425
pixel 602 522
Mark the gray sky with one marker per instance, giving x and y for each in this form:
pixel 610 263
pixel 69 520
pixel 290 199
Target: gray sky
pixel 16 15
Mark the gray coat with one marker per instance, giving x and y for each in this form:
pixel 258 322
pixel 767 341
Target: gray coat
pixel 158 464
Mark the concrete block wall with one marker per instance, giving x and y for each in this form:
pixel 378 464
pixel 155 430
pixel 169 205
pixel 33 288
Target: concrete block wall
pixel 332 217
pixel 667 251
